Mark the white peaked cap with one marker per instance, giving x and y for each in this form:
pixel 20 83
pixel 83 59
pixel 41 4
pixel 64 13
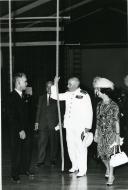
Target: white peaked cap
pixel 102 83
pixel 88 139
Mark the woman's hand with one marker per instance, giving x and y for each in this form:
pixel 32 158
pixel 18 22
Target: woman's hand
pixel 95 139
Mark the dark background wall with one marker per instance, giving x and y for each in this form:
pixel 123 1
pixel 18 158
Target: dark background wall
pixel 110 63
pixel 39 63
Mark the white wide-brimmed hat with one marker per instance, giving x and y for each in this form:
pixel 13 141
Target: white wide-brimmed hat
pixel 100 82
pixel 88 139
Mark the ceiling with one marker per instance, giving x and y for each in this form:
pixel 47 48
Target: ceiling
pixel 84 22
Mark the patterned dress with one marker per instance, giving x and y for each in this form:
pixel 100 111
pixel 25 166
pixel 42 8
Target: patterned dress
pixel 107 116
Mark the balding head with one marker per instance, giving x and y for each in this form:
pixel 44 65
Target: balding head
pixel 73 84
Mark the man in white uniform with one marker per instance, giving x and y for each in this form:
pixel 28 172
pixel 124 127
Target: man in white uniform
pixel 77 119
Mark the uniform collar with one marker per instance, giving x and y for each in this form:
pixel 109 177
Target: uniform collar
pixel 76 91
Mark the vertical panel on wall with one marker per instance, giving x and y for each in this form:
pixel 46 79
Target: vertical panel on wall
pixel 67 63
pixel 72 62
pixel 77 62
pixel 5 83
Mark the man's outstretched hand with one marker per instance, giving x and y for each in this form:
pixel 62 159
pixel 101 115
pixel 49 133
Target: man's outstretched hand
pixel 56 80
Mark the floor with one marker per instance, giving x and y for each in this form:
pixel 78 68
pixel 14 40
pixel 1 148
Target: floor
pixel 51 178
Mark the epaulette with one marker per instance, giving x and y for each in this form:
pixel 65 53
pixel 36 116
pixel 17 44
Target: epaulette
pixel 83 91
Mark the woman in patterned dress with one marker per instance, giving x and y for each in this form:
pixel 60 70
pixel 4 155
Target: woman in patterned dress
pixel 107 125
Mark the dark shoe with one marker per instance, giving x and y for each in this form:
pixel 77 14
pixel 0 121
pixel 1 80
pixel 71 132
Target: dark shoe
pixel 16 179
pixel 40 164
pixel 29 174
pixel 53 163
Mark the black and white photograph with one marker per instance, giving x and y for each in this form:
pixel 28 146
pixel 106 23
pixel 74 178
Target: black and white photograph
pixel 64 94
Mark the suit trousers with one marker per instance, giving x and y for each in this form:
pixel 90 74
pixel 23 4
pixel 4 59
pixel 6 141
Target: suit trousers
pixel 19 159
pixel 54 144
pixel 48 137
pixel 42 145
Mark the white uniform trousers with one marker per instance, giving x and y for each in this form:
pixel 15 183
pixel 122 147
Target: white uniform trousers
pixel 77 150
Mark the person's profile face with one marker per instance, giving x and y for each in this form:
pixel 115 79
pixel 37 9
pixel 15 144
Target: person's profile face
pixel 48 88
pixel 28 91
pixel 126 81
pixel 97 92
pixel 23 83
pixel 72 85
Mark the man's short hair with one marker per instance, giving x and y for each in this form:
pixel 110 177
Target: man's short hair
pixel 18 75
pixel 49 82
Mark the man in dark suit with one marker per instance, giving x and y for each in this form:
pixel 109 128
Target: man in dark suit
pixel 30 108
pixel 46 121
pixel 19 127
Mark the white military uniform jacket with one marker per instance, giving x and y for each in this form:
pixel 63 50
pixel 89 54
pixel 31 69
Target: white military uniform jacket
pixel 78 113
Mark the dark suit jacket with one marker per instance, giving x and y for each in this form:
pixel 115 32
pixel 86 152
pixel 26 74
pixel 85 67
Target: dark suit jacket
pixel 47 116
pixel 17 114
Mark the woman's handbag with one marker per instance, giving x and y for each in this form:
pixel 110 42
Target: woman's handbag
pixel 118 158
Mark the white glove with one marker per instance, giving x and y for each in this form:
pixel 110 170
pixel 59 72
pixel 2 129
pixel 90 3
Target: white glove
pixel 36 126
pixel 121 142
pixel 57 128
pixel 22 134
